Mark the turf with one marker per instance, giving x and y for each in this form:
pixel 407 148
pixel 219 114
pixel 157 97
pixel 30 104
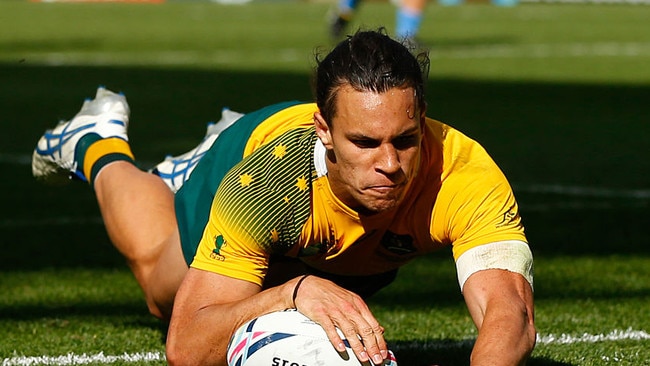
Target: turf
pixel 558 94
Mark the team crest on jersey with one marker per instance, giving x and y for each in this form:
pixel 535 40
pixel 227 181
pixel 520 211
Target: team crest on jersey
pixel 317 248
pixel 321 247
pixel 398 244
pixel 314 249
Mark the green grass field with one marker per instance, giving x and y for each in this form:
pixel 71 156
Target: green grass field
pixel 559 94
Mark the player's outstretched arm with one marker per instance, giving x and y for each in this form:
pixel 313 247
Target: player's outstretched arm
pixel 501 305
pixel 209 308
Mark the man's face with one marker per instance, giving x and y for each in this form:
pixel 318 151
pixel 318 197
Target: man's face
pixel 373 147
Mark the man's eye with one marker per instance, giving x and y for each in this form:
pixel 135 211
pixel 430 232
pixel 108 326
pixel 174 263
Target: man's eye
pixel 365 144
pixel 405 142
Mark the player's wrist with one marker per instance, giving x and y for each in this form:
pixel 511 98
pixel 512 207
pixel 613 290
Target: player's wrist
pixel 296 288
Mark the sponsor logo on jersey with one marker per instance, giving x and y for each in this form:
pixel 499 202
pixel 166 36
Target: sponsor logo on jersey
pixel 508 217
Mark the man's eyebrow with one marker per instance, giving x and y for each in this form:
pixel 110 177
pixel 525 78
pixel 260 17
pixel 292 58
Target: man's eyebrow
pixel 358 136
pixel 361 136
pixel 410 131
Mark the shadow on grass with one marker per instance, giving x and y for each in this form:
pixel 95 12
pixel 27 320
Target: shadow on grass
pixel 602 230
pixel 439 352
pixel 79 310
pixel 446 352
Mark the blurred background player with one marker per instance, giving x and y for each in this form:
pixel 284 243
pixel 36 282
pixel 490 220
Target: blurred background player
pixel 407 20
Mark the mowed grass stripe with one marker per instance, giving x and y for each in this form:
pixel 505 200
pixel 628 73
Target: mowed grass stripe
pixel 227 56
pixel 549 339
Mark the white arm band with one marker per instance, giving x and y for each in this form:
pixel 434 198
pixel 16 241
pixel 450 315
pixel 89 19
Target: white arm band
pixel 513 255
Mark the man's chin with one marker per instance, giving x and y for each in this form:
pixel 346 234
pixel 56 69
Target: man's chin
pixel 378 206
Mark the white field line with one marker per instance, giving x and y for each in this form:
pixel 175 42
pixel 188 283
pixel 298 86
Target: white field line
pixel 549 339
pixel 292 55
pixel 615 335
pixel 635 197
pixel 84 359
pixel 543 50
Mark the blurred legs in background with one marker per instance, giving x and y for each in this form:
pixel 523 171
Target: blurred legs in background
pixel 408 17
pixel 407 21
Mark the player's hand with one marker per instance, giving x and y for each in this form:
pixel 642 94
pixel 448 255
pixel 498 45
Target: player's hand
pixel 333 307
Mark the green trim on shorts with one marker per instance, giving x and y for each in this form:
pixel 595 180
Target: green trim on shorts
pixel 194 199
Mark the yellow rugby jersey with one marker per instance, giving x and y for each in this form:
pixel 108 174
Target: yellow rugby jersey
pixel 274 202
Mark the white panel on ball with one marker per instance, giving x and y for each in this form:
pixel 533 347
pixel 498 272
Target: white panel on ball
pixel 287 338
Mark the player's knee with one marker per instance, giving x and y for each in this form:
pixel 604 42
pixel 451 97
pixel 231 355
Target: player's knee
pixel 162 286
pixel 160 306
pixel 160 311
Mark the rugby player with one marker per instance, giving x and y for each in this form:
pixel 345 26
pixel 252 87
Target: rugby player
pixel 313 206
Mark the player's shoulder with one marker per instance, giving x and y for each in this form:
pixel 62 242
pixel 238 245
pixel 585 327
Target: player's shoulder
pixel 277 120
pixel 456 149
pixel 267 195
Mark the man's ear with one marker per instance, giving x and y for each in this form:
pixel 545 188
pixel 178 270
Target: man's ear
pixel 323 130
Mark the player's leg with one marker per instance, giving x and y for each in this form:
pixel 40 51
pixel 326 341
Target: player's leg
pixel 342 16
pixel 137 207
pixel 175 170
pixel 138 212
pixel 408 18
pixel 151 244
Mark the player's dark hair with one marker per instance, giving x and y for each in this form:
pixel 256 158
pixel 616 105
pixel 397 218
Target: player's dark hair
pixel 368 61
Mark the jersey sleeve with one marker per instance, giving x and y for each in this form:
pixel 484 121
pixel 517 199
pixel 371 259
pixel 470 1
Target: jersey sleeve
pixel 223 252
pixel 475 205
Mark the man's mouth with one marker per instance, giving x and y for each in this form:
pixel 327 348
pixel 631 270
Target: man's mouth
pixel 384 189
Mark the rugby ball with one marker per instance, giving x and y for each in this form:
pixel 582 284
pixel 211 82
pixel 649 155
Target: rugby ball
pixel 288 338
